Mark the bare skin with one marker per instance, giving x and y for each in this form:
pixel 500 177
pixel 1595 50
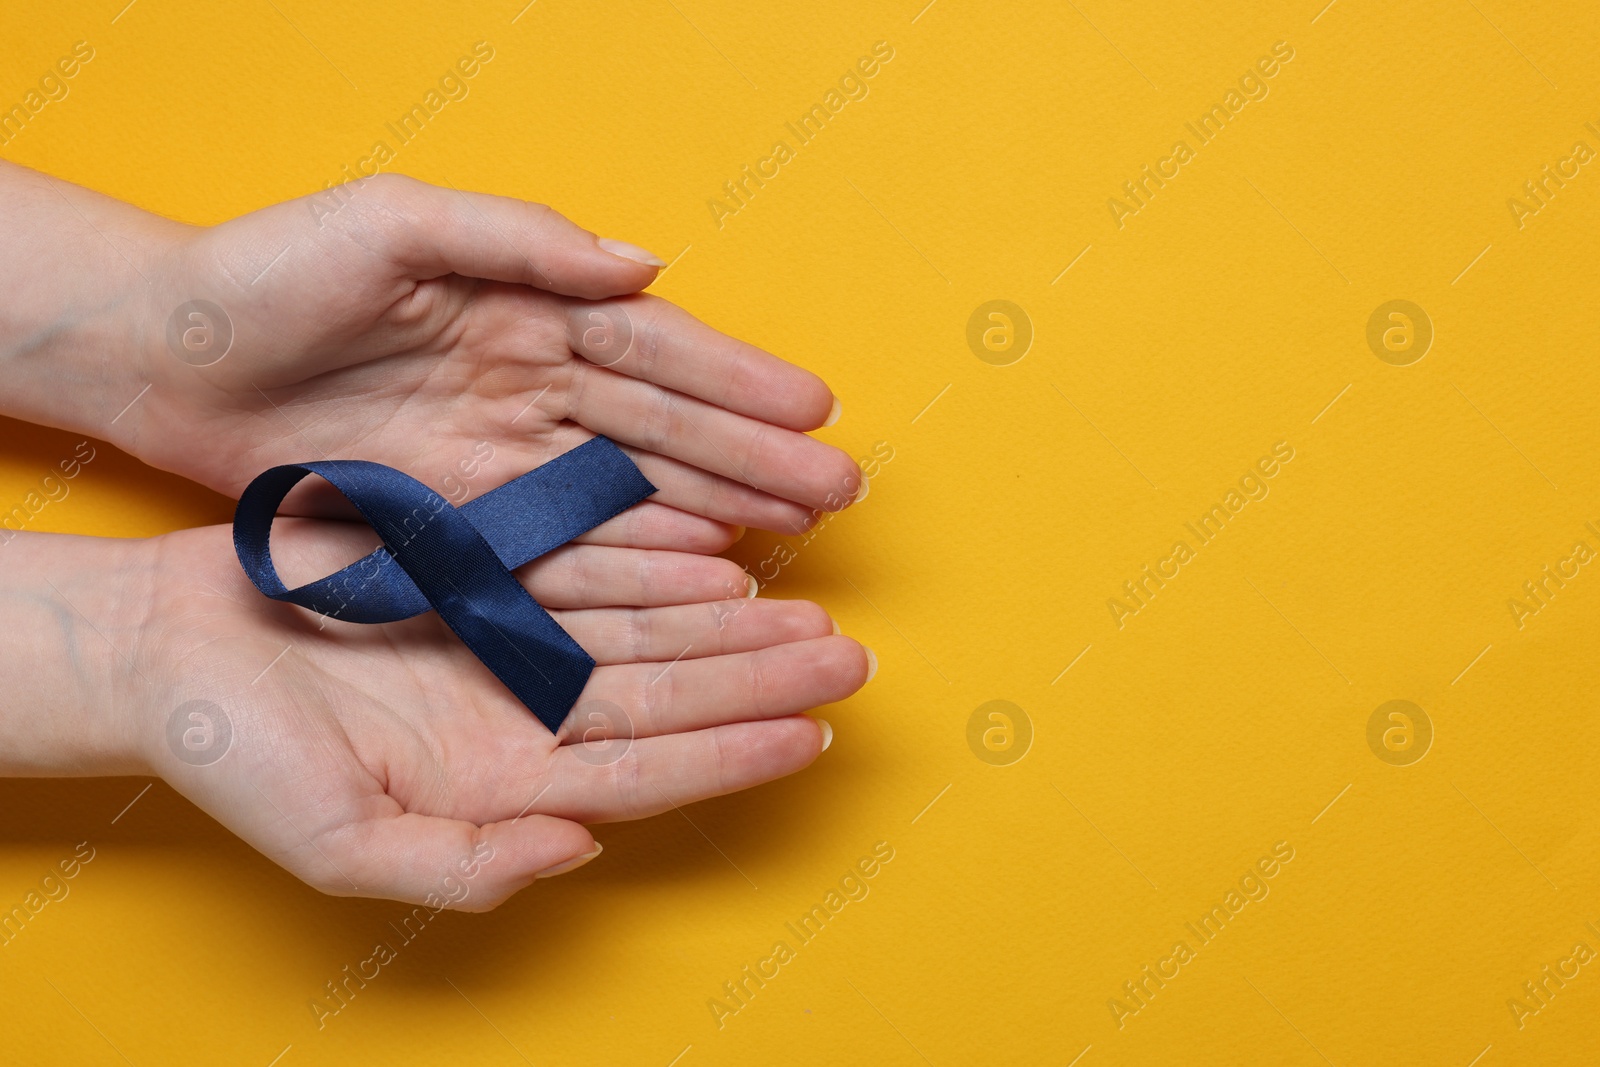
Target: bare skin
pixel 413 326
pixel 404 328
pixel 370 760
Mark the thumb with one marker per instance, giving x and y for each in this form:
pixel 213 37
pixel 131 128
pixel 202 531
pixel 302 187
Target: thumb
pixel 434 231
pixel 448 863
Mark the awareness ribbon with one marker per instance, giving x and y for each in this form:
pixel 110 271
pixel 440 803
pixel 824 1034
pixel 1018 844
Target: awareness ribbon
pixel 457 561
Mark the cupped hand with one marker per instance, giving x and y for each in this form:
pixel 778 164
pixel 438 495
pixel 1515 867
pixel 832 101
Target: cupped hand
pixel 420 327
pixel 386 761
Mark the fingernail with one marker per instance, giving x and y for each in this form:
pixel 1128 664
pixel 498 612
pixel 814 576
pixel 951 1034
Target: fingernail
pixel 861 491
pixel 872 663
pixel 833 416
pixel 572 864
pixel 633 252
pixel 755 588
pixel 827 733
pixel 836 627
pixel 739 536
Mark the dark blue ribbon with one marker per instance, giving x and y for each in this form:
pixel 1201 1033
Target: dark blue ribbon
pixel 457 561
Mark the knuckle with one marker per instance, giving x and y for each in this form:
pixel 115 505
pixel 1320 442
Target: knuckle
pixel 659 419
pixel 647 339
pixel 641 635
pixel 756 444
pixel 577 385
pixel 741 380
pixel 580 578
pixel 755 680
pixel 720 760
pixel 396 200
pixel 388 185
pixel 628 779
pixel 655 700
pixel 646 577
pixel 537 218
pixel 714 497
pixel 537 213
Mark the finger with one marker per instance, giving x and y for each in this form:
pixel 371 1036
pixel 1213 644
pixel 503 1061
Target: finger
pixel 698 492
pixel 573 576
pixel 766 457
pixel 670 347
pixel 589 576
pixel 701 513
pixel 653 525
pixel 692 694
pixel 656 774
pixel 447 863
pixel 680 485
pixel 437 231
pixel 660 636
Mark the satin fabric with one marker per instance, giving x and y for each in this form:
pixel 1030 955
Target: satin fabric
pixel 457 561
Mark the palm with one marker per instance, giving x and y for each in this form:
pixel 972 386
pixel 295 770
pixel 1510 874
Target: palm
pixel 370 759
pixel 356 344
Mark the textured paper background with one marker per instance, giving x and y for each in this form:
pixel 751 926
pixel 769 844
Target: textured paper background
pixel 1169 354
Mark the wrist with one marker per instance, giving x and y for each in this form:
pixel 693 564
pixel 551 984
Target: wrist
pixel 80 276
pixel 70 662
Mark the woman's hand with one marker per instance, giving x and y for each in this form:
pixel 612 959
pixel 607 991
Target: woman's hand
pixel 386 761
pixel 404 323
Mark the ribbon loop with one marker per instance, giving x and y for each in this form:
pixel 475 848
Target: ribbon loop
pixel 457 561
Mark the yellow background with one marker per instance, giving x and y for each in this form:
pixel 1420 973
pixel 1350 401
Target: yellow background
pixel 1227 715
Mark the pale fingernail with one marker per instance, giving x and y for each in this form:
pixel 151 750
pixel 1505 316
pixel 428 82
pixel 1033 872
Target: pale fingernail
pixel 861 491
pixel 872 663
pixel 836 627
pixel 833 415
pixel 633 252
pixel 572 864
pixel 827 733
pixel 755 587
pixel 739 536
